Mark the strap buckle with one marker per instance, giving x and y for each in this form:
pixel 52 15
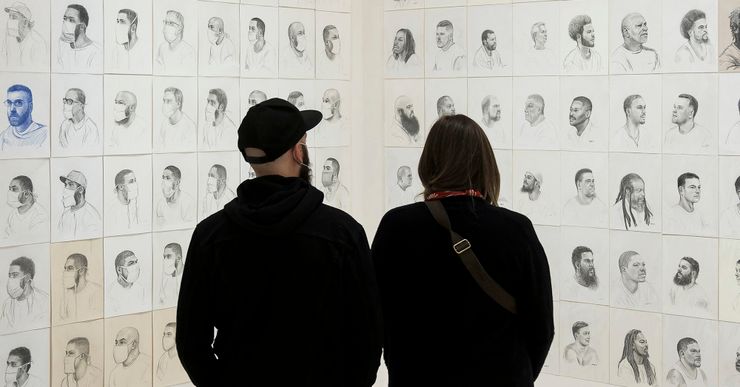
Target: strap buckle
pixel 462 246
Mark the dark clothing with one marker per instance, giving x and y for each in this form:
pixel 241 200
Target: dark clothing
pixel 441 328
pixel 288 283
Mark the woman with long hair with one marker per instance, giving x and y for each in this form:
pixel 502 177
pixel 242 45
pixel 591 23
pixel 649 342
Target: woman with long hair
pixel 443 326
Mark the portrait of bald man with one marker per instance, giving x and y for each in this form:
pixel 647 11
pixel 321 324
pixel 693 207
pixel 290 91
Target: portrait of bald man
pixel 79 370
pixel 333 129
pixel 402 192
pixel 132 366
pixel 128 127
pixel 633 56
pixel 536 131
pixel 406 128
pixel 445 106
pixel 295 58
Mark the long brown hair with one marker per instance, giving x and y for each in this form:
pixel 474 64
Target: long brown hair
pixel 458 156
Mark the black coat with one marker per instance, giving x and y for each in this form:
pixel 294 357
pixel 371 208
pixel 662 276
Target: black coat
pixel 288 283
pixel 441 329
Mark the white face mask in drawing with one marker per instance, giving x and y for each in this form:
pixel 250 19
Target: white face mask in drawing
pixel 123 28
pixel 211 184
pixel 169 107
pixel 13 25
pixel 210 113
pixel 14 199
pixel 119 112
pixel 212 36
pixel 170 31
pixel 120 353
pixel 11 375
pixel 68 198
pixel 336 46
pixel 71 363
pixel 131 273
pixel 300 42
pixel 15 286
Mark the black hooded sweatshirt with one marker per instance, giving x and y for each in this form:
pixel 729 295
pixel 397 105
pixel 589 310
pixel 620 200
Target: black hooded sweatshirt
pixel 289 285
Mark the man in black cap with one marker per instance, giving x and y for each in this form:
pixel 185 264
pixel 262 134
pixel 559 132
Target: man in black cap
pixel 286 280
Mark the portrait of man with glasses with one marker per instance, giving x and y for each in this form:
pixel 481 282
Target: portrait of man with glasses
pixel 22 132
pixel 78 130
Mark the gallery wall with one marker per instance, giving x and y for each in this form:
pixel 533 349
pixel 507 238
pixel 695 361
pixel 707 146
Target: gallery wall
pixel 524 81
pixel 116 146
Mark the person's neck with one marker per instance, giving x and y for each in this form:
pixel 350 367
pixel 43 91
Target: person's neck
pixel 77 117
pixel 124 284
pixel 80 371
pixel 686 205
pixel 175 117
pixel 447 45
pixel 20 381
pixel 82 41
pixel 81 284
pixel 580 128
pixel 131 357
pixel 172 352
pixel 487 121
pixel 539 45
pixel 297 53
pixel 176 42
pixel 334 118
pixel 330 54
pixel 219 192
pixel 79 205
pixel 580 280
pixel 22 34
pixel 25 207
pixel 129 120
pixel 686 127
pixel 639 359
pixel 219 119
pixel 736 41
pixel 689 285
pixel 637 209
pixel 27 291
pixel 583 199
pixel 581 347
pixel 699 48
pixel 220 39
pixel 259 44
pixel 691 370
pixel 629 284
pixel 174 197
pixel 585 51
pixel 632 45
pixel 131 42
pixel 25 124
pixel 633 130
pixel 537 121
pixel 535 194
pixel 489 52
pixel 334 186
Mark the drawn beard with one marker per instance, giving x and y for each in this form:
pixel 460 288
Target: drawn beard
pixel 409 124
pixel 681 280
pixel 527 189
pixel 588 277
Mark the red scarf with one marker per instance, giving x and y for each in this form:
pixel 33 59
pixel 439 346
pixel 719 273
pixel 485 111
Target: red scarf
pixel 448 194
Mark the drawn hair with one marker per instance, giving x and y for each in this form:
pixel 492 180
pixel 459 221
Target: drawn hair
pixel 687 23
pixel 292 33
pixel 82 11
pixel 175 171
pixel 23 88
pixel 628 102
pixel 80 260
pixel 446 24
pixel 177 93
pixel 577 326
pixel 681 181
pixel 26 265
pixel 131 15
pixel 625 19
pixel 585 101
pixel 23 353
pixel 334 164
pixel 402 170
pixel 625 257
pixel 260 25
pixel 580 173
pixel 81 343
pixel 485 34
pixel 220 171
pixel 692 102
pixel 25 182
pixel 693 263
pixel 293 96
pixel 734 20
pixel 120 176
pixel 683 344
pixel 625 190
pixel 458 156
pixel 536 28
pixel 80 95
pixel 327 29
pixel 218 22
pixel 410 47
pixel 577 254
pixel 180 19
pixel 172 324
pixel 576 25
pixel 628 350
pixel 737 184
pixel 220 97
pixel 121 257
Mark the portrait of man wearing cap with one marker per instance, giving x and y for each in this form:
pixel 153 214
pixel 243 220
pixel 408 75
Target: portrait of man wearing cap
pixel 79 218
pixel 307 263
pixel 24 46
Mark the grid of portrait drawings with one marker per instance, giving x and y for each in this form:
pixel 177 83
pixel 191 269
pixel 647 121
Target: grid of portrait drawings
pixel 122 120
pixel 616 128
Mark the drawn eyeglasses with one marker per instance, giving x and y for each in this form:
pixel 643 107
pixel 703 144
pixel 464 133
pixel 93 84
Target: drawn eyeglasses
pixel 170 23
pixel 69 101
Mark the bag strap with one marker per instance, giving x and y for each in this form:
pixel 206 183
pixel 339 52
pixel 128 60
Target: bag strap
pixel 464 250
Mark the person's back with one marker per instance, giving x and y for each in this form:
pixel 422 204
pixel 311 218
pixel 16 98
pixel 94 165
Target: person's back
pixel 287 282
pixel 441 328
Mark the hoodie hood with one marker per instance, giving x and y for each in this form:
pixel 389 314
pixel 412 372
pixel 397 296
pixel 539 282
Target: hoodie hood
pixel 273 205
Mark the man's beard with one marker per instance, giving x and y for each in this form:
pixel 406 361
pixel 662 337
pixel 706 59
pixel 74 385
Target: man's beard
pixel 681 280
pixel 737 365
pixel 587 43
pixel 409 124
pixel 526 189
pixel 638 205
pixel 589 280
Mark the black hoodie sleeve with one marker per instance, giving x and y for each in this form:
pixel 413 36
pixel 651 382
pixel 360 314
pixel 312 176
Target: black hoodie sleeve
pixel 535 301
pixel 365 339
pixel 195 323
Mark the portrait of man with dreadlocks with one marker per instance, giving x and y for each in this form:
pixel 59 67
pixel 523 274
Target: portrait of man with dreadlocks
pixel 635 368
pixel 630 209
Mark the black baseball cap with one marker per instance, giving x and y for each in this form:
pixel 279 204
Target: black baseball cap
pixel 274 126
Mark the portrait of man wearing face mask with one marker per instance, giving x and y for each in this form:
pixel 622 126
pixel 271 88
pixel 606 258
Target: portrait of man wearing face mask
pixel 407 130
pixel 296 59
pixel 330 61
pixel 217 192
pixel 172 267
pixel 175 206
pixel 336 194
pixel 127 52
pixel 128 128
pixel 27 216
pixel 18 368
pixel 125 208
pixel 79 218
pixel 132 367
pixel 174 51
pixel 219 131
pixel 125 290
pixel 77 52
pixel 27 306
pixel 24 46
pixel 81 297
pixel 22 132
pixel 222 51
pixel 168 365
pixel 177 129
pixel 332 130
pixel 78 130
pixel 260 57
pixel 78 369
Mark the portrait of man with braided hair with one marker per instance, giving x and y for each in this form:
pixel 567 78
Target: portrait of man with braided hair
pixel 635 368
pixel 630 209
